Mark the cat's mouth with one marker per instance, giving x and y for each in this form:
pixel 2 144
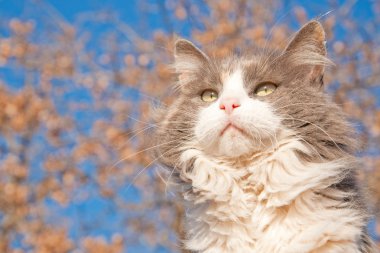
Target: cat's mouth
pixel 232 127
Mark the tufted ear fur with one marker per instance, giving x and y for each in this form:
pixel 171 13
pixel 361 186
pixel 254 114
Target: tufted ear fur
pixel 308 48
pixel 189 61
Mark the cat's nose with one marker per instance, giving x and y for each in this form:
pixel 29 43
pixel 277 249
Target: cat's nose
pixel 229 104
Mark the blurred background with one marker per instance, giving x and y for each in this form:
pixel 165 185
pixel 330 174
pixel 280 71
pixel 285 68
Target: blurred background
pixel 78 80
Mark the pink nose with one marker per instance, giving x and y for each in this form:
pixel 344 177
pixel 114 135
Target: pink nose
pixel 229 104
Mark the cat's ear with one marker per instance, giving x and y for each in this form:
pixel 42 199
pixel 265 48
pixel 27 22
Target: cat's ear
pixel 308 48
pixel 188 60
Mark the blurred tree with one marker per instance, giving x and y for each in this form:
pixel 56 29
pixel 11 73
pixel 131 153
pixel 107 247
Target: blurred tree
pixel 75 174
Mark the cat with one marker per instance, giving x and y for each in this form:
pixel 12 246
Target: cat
pixel 264 158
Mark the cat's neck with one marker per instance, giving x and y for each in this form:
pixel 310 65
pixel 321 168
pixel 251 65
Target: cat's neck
pixel 237 204
pixel 280 168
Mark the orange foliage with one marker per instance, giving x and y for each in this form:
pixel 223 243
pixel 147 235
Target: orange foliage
pixel 43 136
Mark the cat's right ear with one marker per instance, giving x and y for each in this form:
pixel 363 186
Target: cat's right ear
pixel 188 60
pixel 308 48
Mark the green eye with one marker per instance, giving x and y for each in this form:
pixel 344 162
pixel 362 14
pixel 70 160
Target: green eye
pixel 209 95
pixel 264 89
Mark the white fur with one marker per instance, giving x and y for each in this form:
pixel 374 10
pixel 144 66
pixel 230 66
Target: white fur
pixel 269 205
pixel 254 117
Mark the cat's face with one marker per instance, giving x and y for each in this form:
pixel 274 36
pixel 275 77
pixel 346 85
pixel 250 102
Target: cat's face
pixel 235 118
pixel 237 105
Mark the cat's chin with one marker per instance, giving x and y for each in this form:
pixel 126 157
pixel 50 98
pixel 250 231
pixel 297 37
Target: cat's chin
pixel 234 144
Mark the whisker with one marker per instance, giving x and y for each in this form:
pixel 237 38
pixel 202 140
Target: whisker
pixel 153 161
pixel 321 104
pixel 166 182
pixel 139 121
pixel 139 152
pixel 318 127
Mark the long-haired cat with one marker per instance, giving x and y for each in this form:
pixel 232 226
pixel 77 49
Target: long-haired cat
pixel 264 158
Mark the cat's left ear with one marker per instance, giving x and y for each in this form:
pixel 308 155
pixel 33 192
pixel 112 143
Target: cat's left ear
pixel 308 48
pixel 188 60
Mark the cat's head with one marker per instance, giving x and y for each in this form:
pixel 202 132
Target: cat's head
pixel 238 105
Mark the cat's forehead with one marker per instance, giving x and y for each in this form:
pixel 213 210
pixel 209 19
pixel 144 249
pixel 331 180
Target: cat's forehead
pixel 228 65
pixel 249 65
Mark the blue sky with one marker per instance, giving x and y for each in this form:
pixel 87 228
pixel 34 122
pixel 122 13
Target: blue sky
pixel 128 11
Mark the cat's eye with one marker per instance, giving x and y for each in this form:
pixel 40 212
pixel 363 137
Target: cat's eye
pixel 264 89
pixel 209 95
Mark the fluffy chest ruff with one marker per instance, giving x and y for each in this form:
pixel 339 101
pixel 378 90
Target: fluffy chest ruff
pixel 279 202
